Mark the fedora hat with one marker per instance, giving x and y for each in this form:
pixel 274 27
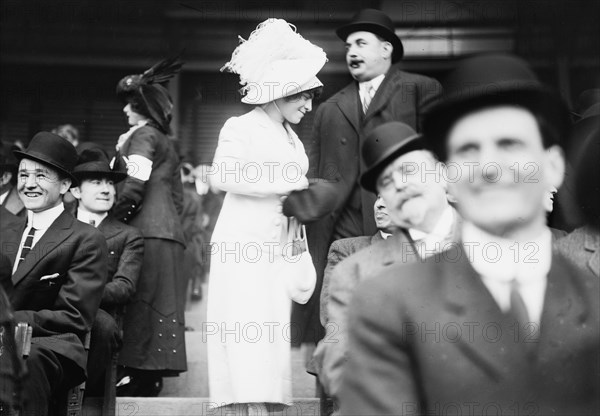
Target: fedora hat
pixel 383 145
pixel 93 163
pixel 51 150
pixel 485 80
pixel 377 22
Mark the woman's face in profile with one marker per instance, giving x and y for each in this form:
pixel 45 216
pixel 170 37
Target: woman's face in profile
pixel 295 107
pixel 132 117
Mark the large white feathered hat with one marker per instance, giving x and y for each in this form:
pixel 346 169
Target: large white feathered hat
pixel 275 62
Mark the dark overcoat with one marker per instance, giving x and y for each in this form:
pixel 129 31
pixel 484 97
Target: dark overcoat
pixel 154 327
pixel 334 158
pixel 435 341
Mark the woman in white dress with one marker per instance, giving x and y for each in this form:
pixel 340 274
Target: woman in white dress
pixel 259 160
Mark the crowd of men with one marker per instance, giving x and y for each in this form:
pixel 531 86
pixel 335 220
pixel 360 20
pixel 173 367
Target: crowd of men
pixel 441 288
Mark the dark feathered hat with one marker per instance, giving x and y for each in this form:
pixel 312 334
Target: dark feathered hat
pixel 147 92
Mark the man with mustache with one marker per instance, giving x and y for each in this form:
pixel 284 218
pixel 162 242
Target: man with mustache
pixel 412 183
pixel 380 92
pixel 501 323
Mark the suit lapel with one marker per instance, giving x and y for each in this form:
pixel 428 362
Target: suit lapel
pixel 11 239
pixel 383 94
pixel 592 244
pixel 398 248
pixel 109 227
pixel 54 236
pixel 349 104
pixel 566 311
pixel 486 339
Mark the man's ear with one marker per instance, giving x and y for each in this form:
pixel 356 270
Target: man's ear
pixel 76 192
pixel 65 185
pixel 555 166
pixel 388 49
pixel 6 177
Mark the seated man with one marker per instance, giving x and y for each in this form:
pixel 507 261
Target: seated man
pixel 412 183
pixel 58 268
pixel 95 194
pixel 345 247
pixel 500 323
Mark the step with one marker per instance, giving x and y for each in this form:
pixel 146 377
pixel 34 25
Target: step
pixel 188 406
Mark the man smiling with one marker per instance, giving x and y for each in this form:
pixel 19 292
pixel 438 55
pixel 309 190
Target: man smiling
pixel 58 272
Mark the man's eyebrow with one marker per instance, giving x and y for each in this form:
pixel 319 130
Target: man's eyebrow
pixel 43 170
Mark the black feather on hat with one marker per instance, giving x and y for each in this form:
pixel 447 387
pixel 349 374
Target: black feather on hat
pixel 148 94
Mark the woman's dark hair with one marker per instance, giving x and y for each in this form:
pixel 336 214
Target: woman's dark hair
pixel 314 92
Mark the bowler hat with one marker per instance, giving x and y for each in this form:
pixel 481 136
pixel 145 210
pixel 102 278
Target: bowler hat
pixel 51 150
pixel 383 145
pixel 93 163
pixel 377 22
pixel 486 80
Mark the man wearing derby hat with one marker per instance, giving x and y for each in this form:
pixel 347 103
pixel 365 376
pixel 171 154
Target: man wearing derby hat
pixel 500 321
pixel 380 92
pixel 95 193
pixel 412 184
pixel 58 272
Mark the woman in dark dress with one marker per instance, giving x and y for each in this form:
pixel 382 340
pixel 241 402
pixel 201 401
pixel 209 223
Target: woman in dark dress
pixel 151 200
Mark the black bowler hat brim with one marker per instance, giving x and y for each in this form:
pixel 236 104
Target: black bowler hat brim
pixel 488 80
pixel 368 180
pixel 43 159
pixel 97 169
pixel 366 21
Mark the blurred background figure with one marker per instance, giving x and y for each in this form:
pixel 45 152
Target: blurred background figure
pixel 582 246
pixel 69 132
pixel 567 215
pixel 193 221
pixel 151 199
pixel 9 198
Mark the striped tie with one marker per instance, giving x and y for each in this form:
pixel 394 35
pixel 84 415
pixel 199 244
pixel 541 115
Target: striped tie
pixel 368 94
pixel 27 245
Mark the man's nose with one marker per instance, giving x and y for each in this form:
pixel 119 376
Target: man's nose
pixel 31 181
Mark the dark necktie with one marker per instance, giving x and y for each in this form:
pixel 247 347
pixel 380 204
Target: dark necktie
pixel 93 223
pixel 27 245
pixel 527 332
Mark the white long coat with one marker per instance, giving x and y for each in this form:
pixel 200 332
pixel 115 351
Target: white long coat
pixel 248 322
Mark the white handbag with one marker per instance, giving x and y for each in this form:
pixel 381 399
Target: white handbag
pixel 298 270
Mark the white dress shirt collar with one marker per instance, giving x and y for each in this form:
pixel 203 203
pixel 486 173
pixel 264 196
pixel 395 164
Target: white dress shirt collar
pixel 442 228
pixel 3 196
pixel 43 220
pixel 498 261
pixel 375 83
pixel 87 217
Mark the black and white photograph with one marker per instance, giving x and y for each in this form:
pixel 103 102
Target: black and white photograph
pixel 299 208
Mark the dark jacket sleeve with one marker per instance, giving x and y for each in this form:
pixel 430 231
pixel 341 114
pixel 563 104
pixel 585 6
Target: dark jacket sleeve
pixel 387 383
pixel 121 288
pixel 322 196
